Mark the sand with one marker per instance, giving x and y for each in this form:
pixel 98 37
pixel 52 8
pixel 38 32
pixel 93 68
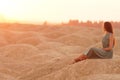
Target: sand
pixel 45 53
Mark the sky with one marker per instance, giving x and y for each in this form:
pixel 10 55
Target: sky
pixel 59 10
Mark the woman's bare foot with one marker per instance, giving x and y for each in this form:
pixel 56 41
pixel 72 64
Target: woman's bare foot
pixel 80 58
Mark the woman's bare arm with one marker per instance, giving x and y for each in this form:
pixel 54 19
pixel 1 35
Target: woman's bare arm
pixel 111 38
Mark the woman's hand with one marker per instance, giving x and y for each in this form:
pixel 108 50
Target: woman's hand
pixel 107 49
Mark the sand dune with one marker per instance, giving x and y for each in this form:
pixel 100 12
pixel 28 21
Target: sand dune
pixel 18 51
pixel 45 53
pixel 85 69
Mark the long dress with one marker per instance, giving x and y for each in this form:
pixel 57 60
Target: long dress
pixel 99 52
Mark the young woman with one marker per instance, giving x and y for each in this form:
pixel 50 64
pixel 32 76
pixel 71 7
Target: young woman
pixel 106 52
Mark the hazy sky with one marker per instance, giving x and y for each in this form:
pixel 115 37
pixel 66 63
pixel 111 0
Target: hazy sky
pixel 59 10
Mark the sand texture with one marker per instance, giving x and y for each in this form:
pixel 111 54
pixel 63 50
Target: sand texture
pixel 45 53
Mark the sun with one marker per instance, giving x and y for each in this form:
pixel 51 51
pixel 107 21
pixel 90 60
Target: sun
pixel 8 9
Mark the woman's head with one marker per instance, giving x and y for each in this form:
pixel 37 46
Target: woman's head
pixel 108 27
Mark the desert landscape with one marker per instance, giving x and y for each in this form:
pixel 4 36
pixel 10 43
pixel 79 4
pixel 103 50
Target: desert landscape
pixel 45 53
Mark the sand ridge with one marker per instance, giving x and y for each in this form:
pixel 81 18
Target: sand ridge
pixel 45 53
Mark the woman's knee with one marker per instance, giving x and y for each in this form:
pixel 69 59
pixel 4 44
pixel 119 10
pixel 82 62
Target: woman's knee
pixel 93 48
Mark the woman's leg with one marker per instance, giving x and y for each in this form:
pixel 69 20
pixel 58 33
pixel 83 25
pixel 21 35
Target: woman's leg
pixel 92 54
pixel 80 58
pixel 83 56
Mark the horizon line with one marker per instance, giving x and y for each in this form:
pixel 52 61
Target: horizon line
pixel 53 22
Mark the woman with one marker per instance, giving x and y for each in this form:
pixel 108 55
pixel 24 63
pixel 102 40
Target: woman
pixel 106 52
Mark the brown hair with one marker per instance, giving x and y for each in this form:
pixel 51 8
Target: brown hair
pixel 108 27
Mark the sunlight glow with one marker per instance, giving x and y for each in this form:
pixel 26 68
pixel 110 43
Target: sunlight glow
pixel 59 10
pixel 7 7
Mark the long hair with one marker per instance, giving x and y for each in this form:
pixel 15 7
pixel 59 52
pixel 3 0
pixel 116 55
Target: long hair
pixel 108 27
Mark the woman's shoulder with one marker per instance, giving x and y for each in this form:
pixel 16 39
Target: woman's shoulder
pixel 111 34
